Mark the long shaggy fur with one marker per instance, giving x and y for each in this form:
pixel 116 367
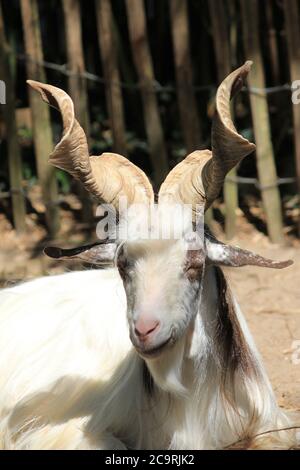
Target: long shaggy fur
pixel 70 378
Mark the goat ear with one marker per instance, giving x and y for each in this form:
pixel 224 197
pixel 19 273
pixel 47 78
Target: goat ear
pixel 226 255
pixel 98 253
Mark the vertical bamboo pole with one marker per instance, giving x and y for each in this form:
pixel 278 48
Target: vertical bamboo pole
pixel 223 59
pixel 272 42
pixel 127 73
pixel 77 84
pixel 184 76
pixel 13 148
pixel 259 107
pixel 143 63
pixel 292 22
pixel 106 38
pixel 220 37
pixel 42 133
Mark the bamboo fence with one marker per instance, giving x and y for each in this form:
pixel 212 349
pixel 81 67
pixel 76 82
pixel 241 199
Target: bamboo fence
pixel 117 77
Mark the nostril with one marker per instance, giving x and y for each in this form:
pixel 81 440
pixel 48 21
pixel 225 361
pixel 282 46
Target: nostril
pixel 144 328
pixel 153 328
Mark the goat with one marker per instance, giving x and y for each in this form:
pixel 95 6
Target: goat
pixel 188 375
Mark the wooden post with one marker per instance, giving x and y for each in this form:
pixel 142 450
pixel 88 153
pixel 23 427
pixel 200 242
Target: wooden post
pixel 78 85
pixel 259 107
pixel 223 58
pixel 184 76
pixel 292 22
pixel 143 63
pixel 220 37
pixel 274 62
pixel 106 38
pixel 13 148
pixel 42 133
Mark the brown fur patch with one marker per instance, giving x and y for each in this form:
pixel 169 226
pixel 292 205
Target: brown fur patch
pixel 233 350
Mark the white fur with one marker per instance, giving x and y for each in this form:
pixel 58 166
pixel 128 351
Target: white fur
pixel 70 378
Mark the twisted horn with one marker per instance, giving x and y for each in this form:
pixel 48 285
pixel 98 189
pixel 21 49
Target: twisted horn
pixel 108 176
pixel 198 179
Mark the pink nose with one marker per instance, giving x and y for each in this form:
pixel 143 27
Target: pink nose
pixel 144 327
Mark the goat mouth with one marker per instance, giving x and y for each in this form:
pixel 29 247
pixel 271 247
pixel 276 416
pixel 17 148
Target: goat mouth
pixel 153 352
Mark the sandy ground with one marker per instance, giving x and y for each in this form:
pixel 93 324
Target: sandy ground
pixel 270 299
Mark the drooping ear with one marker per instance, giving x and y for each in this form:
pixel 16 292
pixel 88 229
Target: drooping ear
pixel 98 253
pixel 225 255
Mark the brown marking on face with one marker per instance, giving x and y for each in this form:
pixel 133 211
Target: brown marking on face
pixel 194 264
pixel 122 265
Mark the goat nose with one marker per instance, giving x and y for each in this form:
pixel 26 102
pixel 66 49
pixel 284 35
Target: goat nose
pixel 145 326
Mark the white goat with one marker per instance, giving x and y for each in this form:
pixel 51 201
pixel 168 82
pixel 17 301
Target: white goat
pixel 189 376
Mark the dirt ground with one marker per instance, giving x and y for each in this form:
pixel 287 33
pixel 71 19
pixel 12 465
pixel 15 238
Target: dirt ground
pixel 270 299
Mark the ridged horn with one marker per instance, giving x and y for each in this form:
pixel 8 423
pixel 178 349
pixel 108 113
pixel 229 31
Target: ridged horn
pixel 198 179
pixel 108 176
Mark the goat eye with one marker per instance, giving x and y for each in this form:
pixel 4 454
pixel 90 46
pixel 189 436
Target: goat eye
pixel 193 273
pixel 124 267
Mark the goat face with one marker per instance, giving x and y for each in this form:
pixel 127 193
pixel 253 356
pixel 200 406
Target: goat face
pixel 162 282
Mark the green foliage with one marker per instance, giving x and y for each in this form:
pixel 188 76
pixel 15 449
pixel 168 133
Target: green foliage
pixel 28 173
pixel 247 133
pixel 25 136
pixel 64 181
